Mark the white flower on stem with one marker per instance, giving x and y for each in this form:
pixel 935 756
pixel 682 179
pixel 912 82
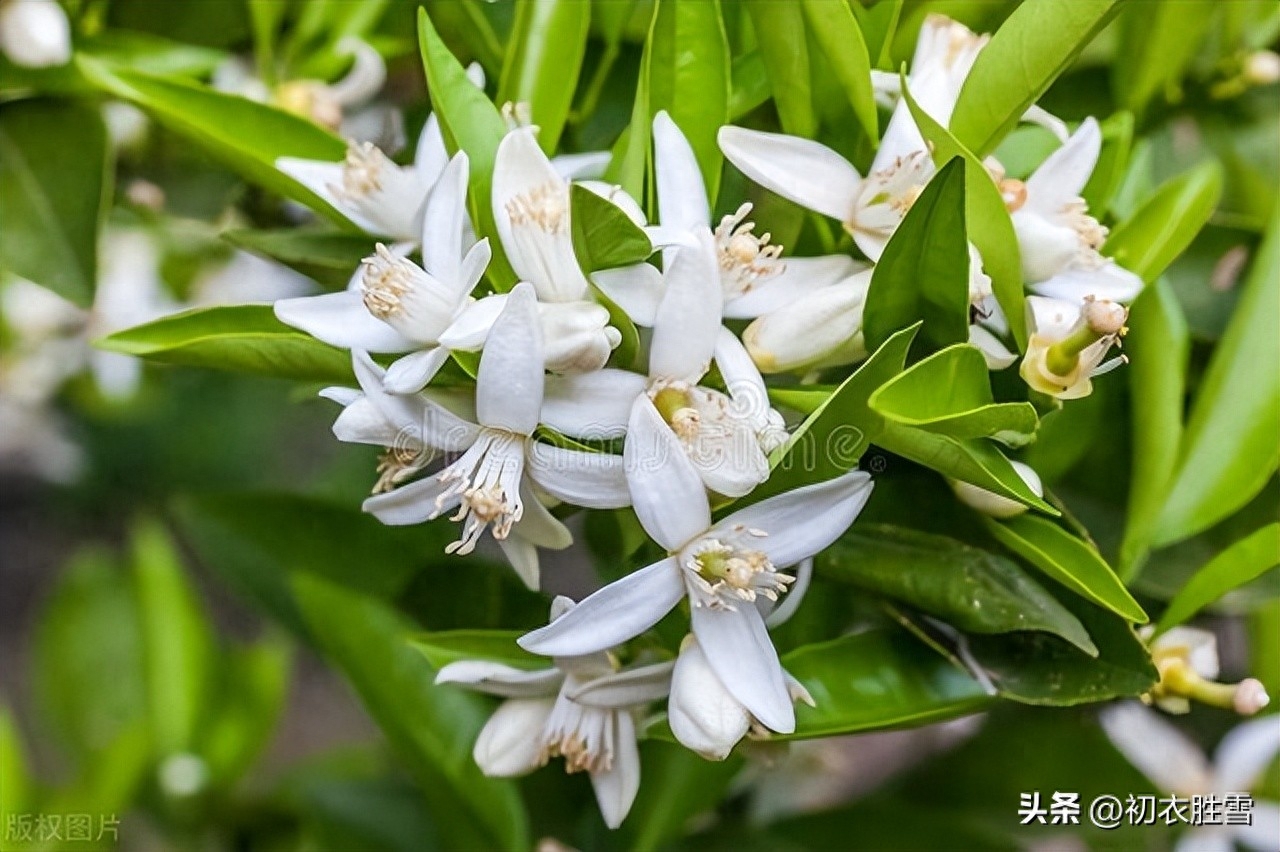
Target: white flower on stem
pixel 583 710
pixel 328 104
pixel 721 568
pixel 1068 342
pixel 726 437
pixel 34 33
pixel 1187 659
pixel 1176 765
pixel 492 482
pixel 997 505
pixel 1058 239
pixel 392 305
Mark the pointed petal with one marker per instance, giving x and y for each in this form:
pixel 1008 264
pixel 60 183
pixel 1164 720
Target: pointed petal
pixel 616 787
pixel 782 612
pixel 618 197
pixel 1109 281
pixel 594 405
pixel 523 556
pixel 802 522
pixel 443 220
pixel 739 651
pixel 742 379
pixel 688 317
pixel 362 423
pixel 470 329
pixel 637 289
pixel 414 416
pixel 340 395
pixel 1245 752
pixel 726 450
pixel 901 136
pixel 367 74
pixel 666 489
pixel 682 196
pixel 1157 749
pixel 811 328
pixel 430 155
pixel 585 166
pixel 590 480
pixel 319 176
pixel 1062 176
pixel 627 688
pixel 509 381
pixel 500 679
pixel 800 170
pixel 539 526
pixel 703 715
pixel 1050 122
pixel 1261 834
pixel 1051 318
pixel 510 743
pixel 414 503
pixel 994 352
pixel 799 277
pixel 413 372
pixel 341 319
pixel 620 611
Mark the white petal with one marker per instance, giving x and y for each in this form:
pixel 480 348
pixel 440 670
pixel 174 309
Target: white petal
pixel 799 276
pixel 340 395
pixel 1050 122
pixel 618 197
pixel 666 489
pixel 800 170
pixel 616 788
pixel 585 166
pixel 411 373
pixel 703 715
pixel 523 556
pixel 362 423
pixel 994 352
pixel 616 613
pixel 367 74
pixel 1109 281
pixel 1158 750
pixel 510 743
pixel 509 381
pixel 1047 247
pixel 539 526
pixel 1200 647
pixel 342 320
pixel 591 406
pixel 637 289
pixel 470 329
pixel 781 612
pixel 414 503
pixel 901 136
pixel 405 413
pixel 500 679
pixel 430 155
pixel 682 196
pixel 1261 834
pixel 996 505
pixel 1051 318
pixel 1245 752
pixel 742 379
pixel 811 329
pixel 627 688
pixel 319 176
pixel 577 336
pixel 802 522
pixel 739 651
pixel 443 220
pixel 1062 176
pixel 590 480
pixel 726 451
pixel 1205 839
pixel 688 317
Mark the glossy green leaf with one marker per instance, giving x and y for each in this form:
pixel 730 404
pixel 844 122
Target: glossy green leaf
pixel 628 165
pixel 1158 348
pixel 431 728
pixel 1229 450
pixel 879 24
pixel 950 392
pixel 330 257
pixel 1157 42
pixel 450 646
pixel 52 195
pixel 750 84
pixel 971 589
pixel 544 59
pixel 253 686
pixel 1033 46
pixel 470 123
pixel 877 680
pixel 1149 240
pixel 836 31
pixel 986 219
pixel 924 271
pixel 1247 559
pixel 179 650
pixel 1113 159
pixel 1072 562
pixel 241 338
pixel 780 34
pixel 604 236
pixel 805 400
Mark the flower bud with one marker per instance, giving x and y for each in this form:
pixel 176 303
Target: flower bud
pixel 822 327
pixel 703 715
pixel 35 33
pixel 1251 696
pixel 995 505
pixel 510 744
pixel 577 336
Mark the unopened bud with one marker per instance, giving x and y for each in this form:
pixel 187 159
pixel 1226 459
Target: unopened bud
pixel 1251 696
pixel 1262 68
pixel 35 33
pixel 1104 317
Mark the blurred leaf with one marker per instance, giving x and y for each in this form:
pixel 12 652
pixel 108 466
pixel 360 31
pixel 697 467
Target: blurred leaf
pixel 431 728
pixel 678 785
pixel 780 34
pixel 109 782
pixel 971 589
pixel 1229 449
pixel 54 185
pixel 16 792
pixel 1247 559
pixel 240 338
pixel 1117 141
pixel 250 700
pixel 152 54
pixel 836 30
pixel 1149 240
pixel 330 257
pixel 604 236
pixel 1157 43
pixel 265 18
pixel 178 648
pixel 879 23
pixel 450 646
pixel 750 84
pixel 1072 562
pixel 1033 46
pixel 950 393
pixel 924 271
pixel 544 58
pixel 470 123
pixel 369 815
pixel 1158 348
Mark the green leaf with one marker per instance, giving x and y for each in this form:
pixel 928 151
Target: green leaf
pixel 330 257
pixel 431 728
pixel 248 136
pixel 16 793
pixel 780 34
pixel 1158 348
pixel 876 680
pixel 750 84
pixel 1072 562
pixel 678 785
pixel 1033 46
pixel 450 646
pixel 544 59
pixel 950 393
pixel 1229 450
pixel 470 123
pixel 971 589
pixel 1157 43
pixel 836 31
pixel 628 165
pixel 241 338
pixel 604 236
pixel 986 218
pixel 1108 173
pixel 924 271
pixel 1247 559
pixel 52 194
pixel 178 645
pixel 1149 240
pixel 628 349
pixel 252 689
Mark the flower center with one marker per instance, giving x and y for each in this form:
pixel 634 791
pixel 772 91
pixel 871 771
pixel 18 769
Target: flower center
pixel 385 281
pixel 675 404
pixel 396 464
pixel 726 570
pixel 487 479
pixel 546 207
pixel 888 194
pixel 362 170
pixel 744 257
pixel 583 736
pixel 1092 233
pixel 1014 193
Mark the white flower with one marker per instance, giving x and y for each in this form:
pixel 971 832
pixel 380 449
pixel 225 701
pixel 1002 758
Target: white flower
pixel 1187 659
pixel 722 568
pixel 726 436
pixel 1068 343
pixel 34 33
pixel 1058 239
pixel 492 482
pixel 583 710
pixel 996 505
pixel 1175 764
